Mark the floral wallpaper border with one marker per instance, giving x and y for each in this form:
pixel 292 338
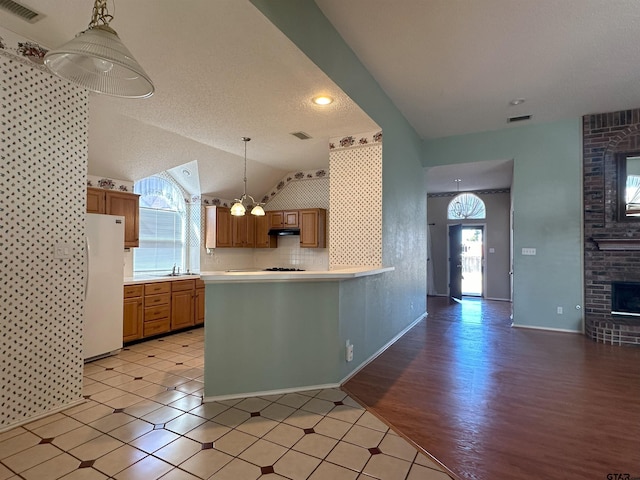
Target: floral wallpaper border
pixel 288 178
pixel 354 141
pixel 23 50
pixel 109 183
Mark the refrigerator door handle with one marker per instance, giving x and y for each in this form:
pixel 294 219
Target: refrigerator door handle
pixel 86 273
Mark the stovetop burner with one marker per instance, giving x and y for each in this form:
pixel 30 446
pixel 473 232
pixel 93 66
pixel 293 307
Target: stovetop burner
pixel 283 269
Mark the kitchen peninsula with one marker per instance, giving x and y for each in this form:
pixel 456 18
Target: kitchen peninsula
pixel 268 332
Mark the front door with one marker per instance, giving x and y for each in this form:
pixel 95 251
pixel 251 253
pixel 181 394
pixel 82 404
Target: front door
pixel 455 262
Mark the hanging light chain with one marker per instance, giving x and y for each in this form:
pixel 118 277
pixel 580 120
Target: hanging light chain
pixel 100 15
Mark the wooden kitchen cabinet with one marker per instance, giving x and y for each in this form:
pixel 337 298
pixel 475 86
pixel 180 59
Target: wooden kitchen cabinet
pixel 132 318
pixel 313 231
pixel 283 219
pixel 157 308
pixel 243 231
pixel 182 304
pixel 110 202
pixel 199 302
pixel 263 239
pixel 217 225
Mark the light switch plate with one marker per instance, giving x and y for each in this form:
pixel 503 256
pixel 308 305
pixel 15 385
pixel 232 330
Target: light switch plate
pixel 528 251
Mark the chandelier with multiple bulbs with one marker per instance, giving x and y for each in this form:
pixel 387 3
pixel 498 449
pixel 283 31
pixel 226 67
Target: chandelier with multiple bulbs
pixel 239 209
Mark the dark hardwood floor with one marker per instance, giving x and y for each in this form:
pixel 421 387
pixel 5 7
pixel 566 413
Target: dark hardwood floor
pixel 492 402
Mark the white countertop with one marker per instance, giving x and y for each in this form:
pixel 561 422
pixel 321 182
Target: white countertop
pixel 306 276
pixel 138 279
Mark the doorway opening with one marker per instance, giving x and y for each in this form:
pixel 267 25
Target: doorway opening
pixel 472 260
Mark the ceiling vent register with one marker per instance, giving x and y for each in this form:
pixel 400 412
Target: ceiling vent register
pixel 521 118
pixel 301 135
pixel 21 11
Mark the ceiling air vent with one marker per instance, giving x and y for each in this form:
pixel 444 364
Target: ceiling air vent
pixel 21 11
pixel 301 135
pixel 521 118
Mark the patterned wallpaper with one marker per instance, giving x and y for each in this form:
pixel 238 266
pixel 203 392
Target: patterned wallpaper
pixel 109 183
pixel 355 226
pixel 42 178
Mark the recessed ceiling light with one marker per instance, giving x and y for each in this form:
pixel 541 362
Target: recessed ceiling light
pixel 186 172
pixel 516 101
pixel 323 100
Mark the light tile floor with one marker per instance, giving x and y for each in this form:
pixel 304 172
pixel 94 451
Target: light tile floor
pixel 144 419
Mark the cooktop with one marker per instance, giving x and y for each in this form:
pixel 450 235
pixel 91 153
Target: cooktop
pixel 283 269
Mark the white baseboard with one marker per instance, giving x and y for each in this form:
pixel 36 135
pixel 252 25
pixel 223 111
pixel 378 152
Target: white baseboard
pixel 548 329
pixel 42 415
pixel 383 348
pixel 284 391
pixel 498 299
pixel 265 393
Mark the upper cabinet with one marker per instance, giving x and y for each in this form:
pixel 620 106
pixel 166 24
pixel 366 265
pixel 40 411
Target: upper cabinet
pixel 313 231
pixel 263 239
pixel 283 219
pixel 112 202
pixel 217 225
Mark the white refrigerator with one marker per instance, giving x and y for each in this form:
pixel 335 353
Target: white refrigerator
pixel 102 330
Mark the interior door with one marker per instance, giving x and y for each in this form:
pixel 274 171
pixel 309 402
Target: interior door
pixel 455 262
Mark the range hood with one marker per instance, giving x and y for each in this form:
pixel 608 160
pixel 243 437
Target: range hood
pixel 281 232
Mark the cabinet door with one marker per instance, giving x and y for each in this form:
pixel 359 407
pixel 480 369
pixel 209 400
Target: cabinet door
pixel 95 200
pixel 238 231
pixel 217 224
pixel 199 306
pixel 132 319
pixel 250 231
pixel 127 205
pixel 313 228
pixel 275 219
pixel 263 239
pixel 291 219
pixel 182 312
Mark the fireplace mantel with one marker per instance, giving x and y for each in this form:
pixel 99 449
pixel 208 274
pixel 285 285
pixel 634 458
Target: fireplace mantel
pixel 617 243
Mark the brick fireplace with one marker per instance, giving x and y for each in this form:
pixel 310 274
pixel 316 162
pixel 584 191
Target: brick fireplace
pixel 611 246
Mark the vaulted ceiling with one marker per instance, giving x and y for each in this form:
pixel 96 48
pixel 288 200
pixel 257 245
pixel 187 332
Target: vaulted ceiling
pixel 223 71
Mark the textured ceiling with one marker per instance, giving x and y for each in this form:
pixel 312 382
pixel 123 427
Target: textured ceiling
pixel 221 71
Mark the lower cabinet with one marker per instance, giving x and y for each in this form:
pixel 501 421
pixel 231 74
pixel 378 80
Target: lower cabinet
pixel 133 313
pixel 199 302
pixel 182 304
pixel 155 308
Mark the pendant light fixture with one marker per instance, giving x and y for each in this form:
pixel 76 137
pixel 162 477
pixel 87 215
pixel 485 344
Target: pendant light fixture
pixel 97 60
pixel 238 209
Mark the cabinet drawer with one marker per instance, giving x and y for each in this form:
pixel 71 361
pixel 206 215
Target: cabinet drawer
pixel 153 300
pixel 154 288
pixel 157 313
pixel 181 285
pixel 199 283
pixel 131 291
pixel 155 327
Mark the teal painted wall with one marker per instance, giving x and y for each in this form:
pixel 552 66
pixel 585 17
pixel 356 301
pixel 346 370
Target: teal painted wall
pixel 400 296
pixel 547 203
pixel 269 336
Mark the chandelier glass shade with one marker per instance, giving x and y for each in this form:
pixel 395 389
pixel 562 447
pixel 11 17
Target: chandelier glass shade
pixel 239 207
pixel 97 60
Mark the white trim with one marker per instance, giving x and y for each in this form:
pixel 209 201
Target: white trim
pixel 265 393
pixel 383 348
pixel 548 329
pixel 498 299
pixel 42 415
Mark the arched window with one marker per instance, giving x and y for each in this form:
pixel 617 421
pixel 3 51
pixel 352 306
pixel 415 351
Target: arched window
pixel 466 205
pixel 162 226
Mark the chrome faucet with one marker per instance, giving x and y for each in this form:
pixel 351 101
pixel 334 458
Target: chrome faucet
pixel 173 271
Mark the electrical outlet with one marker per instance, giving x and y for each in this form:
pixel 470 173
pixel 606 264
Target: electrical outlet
pixel 349 351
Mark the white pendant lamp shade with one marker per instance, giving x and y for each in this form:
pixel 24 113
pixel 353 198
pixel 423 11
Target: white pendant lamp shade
pixel 258 211
pixel 238 210
pixel 97 60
